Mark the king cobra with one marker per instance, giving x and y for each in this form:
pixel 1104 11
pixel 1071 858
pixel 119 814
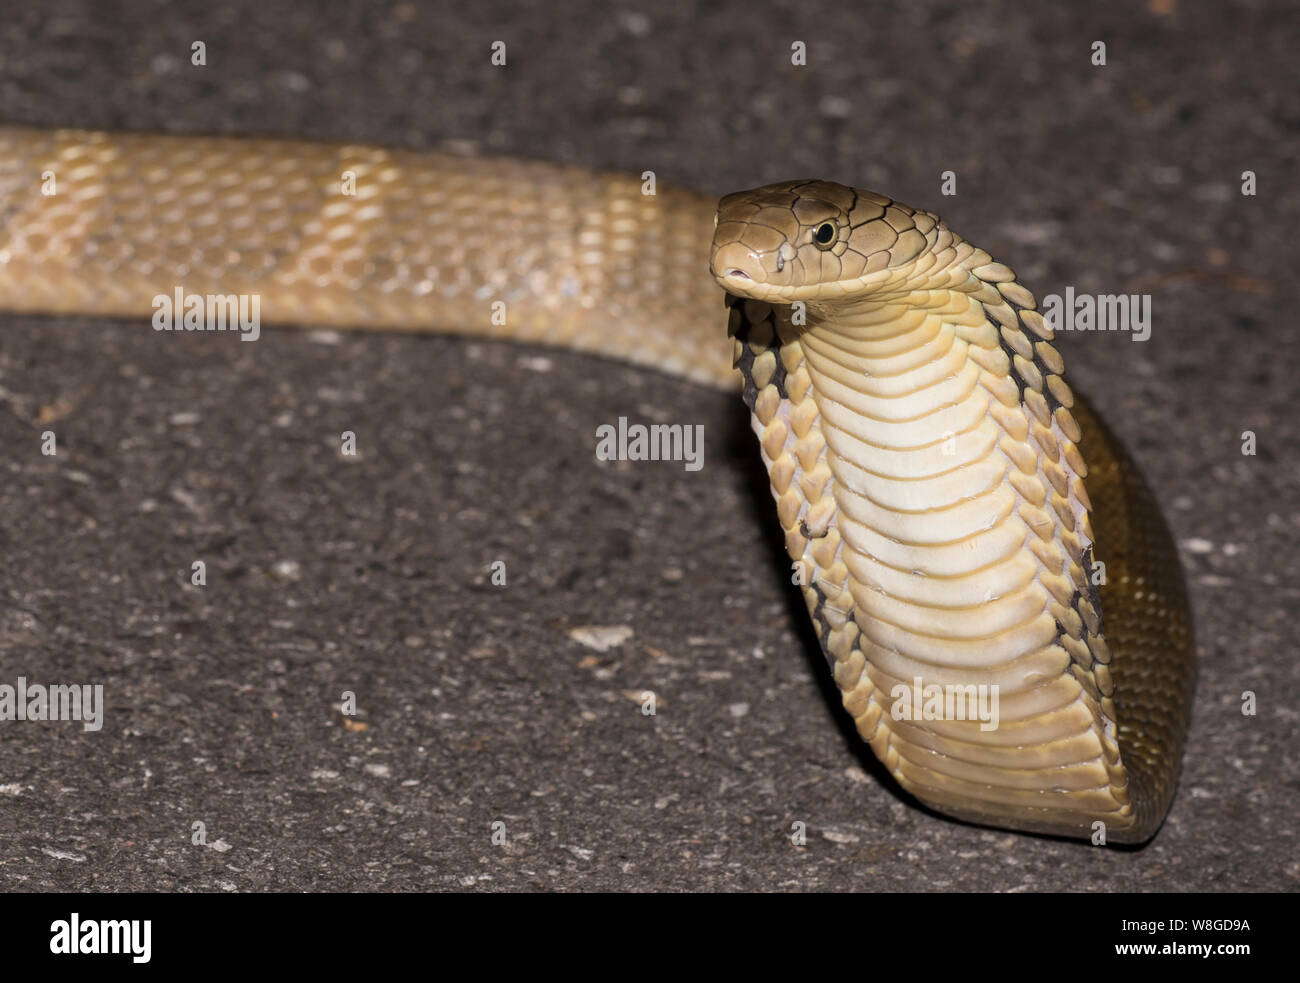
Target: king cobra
pixel 925 452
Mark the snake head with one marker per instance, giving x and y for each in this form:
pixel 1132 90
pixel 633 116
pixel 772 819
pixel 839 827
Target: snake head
pixel 810 240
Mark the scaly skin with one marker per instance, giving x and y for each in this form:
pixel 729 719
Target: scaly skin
pixel 927 459
pixel 925 452
pixel 428 242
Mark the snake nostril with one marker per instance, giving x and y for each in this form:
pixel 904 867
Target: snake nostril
pixel 740 274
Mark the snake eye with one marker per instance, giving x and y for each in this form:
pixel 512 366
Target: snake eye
pixel 825 234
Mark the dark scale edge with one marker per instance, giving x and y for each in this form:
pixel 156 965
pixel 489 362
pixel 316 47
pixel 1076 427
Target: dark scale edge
pixel 1094 598
pixel 1094 595
pixel 821 625
pixel 1086 559
pixel 1046 393
pixel 809 534
pixel 745 362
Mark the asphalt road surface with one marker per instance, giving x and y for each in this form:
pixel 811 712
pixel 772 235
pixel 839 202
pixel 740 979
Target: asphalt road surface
pixel 480 704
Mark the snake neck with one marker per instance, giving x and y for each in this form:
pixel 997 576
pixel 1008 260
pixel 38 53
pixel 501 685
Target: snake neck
pixel 927 474
pixel 932 398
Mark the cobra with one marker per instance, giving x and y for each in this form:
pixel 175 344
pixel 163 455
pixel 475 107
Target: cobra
pixel 947 500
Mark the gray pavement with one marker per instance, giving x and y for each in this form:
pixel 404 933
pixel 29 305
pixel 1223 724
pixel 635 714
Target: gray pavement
pixel 477 703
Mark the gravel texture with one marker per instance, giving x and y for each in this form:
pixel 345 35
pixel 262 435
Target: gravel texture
pixel 477 703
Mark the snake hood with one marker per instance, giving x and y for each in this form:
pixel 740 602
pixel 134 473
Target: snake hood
pixel 928 461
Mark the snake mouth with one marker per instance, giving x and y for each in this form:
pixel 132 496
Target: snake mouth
pixel 734 263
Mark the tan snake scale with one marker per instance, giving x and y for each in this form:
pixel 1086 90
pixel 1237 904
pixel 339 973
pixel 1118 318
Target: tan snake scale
pixel 944 493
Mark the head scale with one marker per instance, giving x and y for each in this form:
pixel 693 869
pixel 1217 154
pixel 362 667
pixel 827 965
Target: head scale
pixel 809 240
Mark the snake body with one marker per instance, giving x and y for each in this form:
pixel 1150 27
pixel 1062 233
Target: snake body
pixel 926 455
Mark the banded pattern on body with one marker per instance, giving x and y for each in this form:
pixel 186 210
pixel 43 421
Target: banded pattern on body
pixel 428 241
pixel 926 454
